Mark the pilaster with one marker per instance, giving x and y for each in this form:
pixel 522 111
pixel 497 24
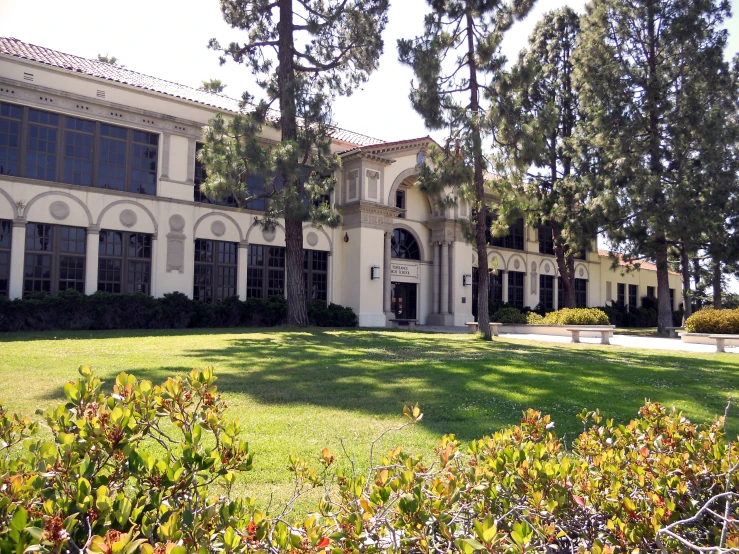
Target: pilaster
pixel 242 269
pixel 17 256
pixel 92 251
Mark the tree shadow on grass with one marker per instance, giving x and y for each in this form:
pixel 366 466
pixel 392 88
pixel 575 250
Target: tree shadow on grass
pixel 465 386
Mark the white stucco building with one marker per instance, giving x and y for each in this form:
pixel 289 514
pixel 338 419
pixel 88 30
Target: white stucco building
pixel 99 191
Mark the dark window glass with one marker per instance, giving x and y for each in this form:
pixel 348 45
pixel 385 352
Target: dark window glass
pixel 514 239
pixel 79 137
pixel 561 296
pixel 650 292
pixel 10 138
pixel 43 130
pixel 581 293
pixel 124 263
pixel 275 271
pixel 54 259
pixel 495 287
pixel 546 241
pixel 621 295
pixel 112 158
pixel 255 271
pixel 400 202
pixel 199 178
pixel 315 273
pixel 216 266
pixel 6 229
pixel 404 245
pixel 516 288
pixel 633 294
pixel 144 164
pixel 546 292
pixel 672 299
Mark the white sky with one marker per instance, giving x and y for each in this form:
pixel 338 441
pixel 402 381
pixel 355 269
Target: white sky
pixel 168 39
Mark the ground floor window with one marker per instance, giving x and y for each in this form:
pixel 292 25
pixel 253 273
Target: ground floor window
pixel 672 299
pixel 265 274
pixel 495 287
pixel 55 259
pixel 633 295
pixel 216 268
pixel 6 229
pixel 581 293
pixel 650 292
pixel 621 294
pixel 546 292
pixel 124 262
pixel 516 288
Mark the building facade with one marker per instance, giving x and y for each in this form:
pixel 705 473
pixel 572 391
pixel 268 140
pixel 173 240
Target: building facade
pixel 99 192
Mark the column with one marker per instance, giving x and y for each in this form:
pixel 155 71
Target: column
pixel 452 276
pixel 92 249
pixel 444 278
pixel 435 280
pixel 241 270
pixel 387 288
pixel 505 285
pixel 556 292
pixel 17 256
pixel 155 266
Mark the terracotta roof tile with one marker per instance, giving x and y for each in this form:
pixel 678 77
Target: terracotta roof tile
pixel 94 68
pixel 648 266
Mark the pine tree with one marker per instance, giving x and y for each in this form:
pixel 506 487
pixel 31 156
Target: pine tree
pixel 456 62
pixel 537 115
pixel 303 52
pixel 112 60
pixel 212 85
pixel 633 68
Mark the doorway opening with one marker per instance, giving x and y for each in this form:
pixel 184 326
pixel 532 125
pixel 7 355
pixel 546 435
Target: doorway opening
pixel 404 301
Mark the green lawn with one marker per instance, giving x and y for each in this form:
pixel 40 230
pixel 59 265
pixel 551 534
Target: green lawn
pixel 301 390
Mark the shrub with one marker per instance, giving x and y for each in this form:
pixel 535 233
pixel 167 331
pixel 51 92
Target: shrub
pixel 534 318
pixel 714 321
pixel 96 484
pixel 576 316
pixel 509 315
pixel 72 310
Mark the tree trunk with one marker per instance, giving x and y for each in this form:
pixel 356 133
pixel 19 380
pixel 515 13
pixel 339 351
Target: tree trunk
pixel 687 296
pixel 717 304
pixel 664 309
pixel 297 308
pixel 483 275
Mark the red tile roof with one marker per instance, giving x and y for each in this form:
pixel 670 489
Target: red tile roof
pixel 94 68
pixel 648 266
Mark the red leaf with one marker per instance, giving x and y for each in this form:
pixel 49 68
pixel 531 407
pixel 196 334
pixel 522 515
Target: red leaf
pixel 579 500
pixel 644 451
pixel 323 543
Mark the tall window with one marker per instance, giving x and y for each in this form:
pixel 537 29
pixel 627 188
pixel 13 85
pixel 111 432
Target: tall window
pixel 561 296
pixel 404 245
pixel 43 128
pixel 514 239
pixel 516 289
pixel 581 293
pixel 265 274
pixel 495 290
pixel 199 179
pixel 216 267
pixel 400 202
pixel 6 230
pixel 633 295
pixel 546 295
pixel 650 292
pixel 315 268
pixel 672 299
pixel 48 146
pixel 621 296
pixel 124 263
pixel 10 138
pixel 55 259
pixel 546 241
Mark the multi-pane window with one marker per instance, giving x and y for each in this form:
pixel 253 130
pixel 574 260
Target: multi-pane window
pixel 275 271
pixel 6 229
pixel 199 178
pixel 43 129
pixel 516 288
pixel 514 239
pixel 315 273
pixel 400 202
pixel 255 271
pixel 495 287
pixel 216 268
pixel 546 240
pixel 561 296
pixel 124 263
pixel 546 292
pixel 581 293
pixel 48 146
pixel 672 299
pixel 633 295
pixel 79 136
pixel 404 245
pixel 621 295
pixel 10 138
pixel 650 292
pixel 55 258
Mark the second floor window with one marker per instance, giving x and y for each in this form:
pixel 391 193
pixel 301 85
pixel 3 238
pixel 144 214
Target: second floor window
pixel 513 240
pixel 48 146
pixel 546 241
pixel 400 202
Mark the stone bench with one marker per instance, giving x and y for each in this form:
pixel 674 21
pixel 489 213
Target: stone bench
pixel 721 341
pixel 410 323
pixel 605 333
pixel 473 325
pixel 673 331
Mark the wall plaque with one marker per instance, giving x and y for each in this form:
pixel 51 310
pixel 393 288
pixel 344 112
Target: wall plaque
pixel 403 270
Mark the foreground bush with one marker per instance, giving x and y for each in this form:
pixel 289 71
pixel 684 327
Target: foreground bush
pixel 509 315
pixel 151 469
pixel 714 321
pixel 576 316
pixel 72 310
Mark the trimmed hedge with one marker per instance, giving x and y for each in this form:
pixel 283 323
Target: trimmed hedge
pixel 725 322
pixel 509 315
pixel 73 311
pixel 576 316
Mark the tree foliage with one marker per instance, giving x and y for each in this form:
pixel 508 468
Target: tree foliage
pixel 112 60
pixel 302 53
pixel 456 62
pixel 213 85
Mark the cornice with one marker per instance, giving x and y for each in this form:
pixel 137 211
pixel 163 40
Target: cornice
pixel 360 154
